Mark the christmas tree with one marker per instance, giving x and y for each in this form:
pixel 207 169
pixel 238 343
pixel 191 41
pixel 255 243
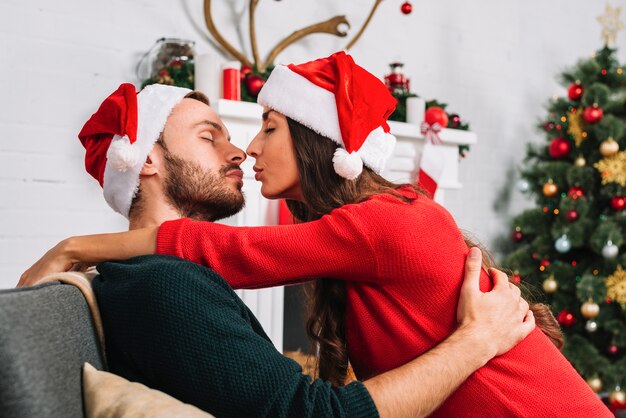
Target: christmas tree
pixel 573 244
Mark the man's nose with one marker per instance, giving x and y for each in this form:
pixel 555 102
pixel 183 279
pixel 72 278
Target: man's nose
pixel 235 155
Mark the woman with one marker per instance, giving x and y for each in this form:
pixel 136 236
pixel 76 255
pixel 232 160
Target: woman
pixel 363 241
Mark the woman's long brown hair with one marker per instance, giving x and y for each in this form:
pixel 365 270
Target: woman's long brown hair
pixel 323 190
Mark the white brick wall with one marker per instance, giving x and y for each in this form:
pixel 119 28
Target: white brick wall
pixel 493 62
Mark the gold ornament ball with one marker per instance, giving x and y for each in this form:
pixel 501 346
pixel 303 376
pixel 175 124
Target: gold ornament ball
pixel 609 148
pixel 618 396
pixel 595 383
pixel 550 285
pixel 580 162
pixel 550 189
pixel 590 310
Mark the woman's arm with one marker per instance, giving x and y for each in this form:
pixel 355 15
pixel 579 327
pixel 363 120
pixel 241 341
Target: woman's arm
pixel 91 249
pixel 337 245
pixel 248 257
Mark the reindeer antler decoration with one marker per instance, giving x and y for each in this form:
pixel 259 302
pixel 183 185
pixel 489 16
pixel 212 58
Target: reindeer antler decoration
pixel 330 26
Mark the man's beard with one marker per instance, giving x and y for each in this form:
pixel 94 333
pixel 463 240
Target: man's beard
pixel 198 194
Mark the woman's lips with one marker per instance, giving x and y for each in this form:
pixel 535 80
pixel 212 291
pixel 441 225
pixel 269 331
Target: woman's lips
pixel 258 172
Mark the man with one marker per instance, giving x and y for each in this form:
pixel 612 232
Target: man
pixel 179 328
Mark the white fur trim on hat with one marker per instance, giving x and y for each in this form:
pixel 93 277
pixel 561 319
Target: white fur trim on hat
pixel 347 165
pixel 312 106
pixel 121 180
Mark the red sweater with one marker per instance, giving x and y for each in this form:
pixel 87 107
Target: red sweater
pixel 403 264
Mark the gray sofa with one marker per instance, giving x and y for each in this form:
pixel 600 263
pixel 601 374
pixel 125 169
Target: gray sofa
pixel 46 334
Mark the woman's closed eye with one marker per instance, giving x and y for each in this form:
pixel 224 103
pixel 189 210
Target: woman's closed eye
pixel 268 130
pixel 207 138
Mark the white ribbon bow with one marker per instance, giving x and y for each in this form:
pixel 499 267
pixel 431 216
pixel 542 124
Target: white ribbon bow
pixel 431 133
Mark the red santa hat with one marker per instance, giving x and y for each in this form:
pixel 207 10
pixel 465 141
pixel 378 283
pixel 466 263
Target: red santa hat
pixel 340 100
pixel 121 134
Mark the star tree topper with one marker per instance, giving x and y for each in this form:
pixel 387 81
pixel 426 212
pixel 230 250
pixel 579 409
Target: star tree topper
pixel 610 24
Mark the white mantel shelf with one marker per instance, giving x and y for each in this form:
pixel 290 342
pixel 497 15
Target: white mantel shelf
pixel 243 121
pixel 448 136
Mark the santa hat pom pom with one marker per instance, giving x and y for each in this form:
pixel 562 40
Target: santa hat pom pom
pixel 347 165
pixel 122 155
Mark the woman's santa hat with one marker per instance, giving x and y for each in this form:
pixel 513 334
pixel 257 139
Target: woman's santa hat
pixel 339 100
pixel 121 134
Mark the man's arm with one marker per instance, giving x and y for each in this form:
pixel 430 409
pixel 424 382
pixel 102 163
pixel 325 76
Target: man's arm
pixel 178 327
pixel 490 324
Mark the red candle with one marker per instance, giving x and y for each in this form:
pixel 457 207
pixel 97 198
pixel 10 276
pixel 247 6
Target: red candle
pixel 231 84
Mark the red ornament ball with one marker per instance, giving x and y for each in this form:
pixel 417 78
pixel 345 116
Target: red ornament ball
pixel 618 203
pixel 517 236
pixel 575 192
pixel 571 215
pixel 516 278
pixel 544 263
pixel 560 148
pixel 548 126
pixel 254 83
pixel 245 70
pixel 566 318
pixel 436 114
pixel 613 349
pixel 593 114
pixel 406 8
pixel 575 91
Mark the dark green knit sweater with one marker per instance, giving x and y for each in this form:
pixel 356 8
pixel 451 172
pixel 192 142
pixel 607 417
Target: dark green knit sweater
pixel 178 327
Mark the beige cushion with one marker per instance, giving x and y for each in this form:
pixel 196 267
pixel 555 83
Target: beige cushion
pixel 107 395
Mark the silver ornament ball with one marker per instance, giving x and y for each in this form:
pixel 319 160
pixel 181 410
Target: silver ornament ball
pixel 563 244
pixel 610 250
pixel 591 326
pixel 523 186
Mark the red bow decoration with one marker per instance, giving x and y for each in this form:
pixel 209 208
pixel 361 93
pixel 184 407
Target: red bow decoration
pixel 431 133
